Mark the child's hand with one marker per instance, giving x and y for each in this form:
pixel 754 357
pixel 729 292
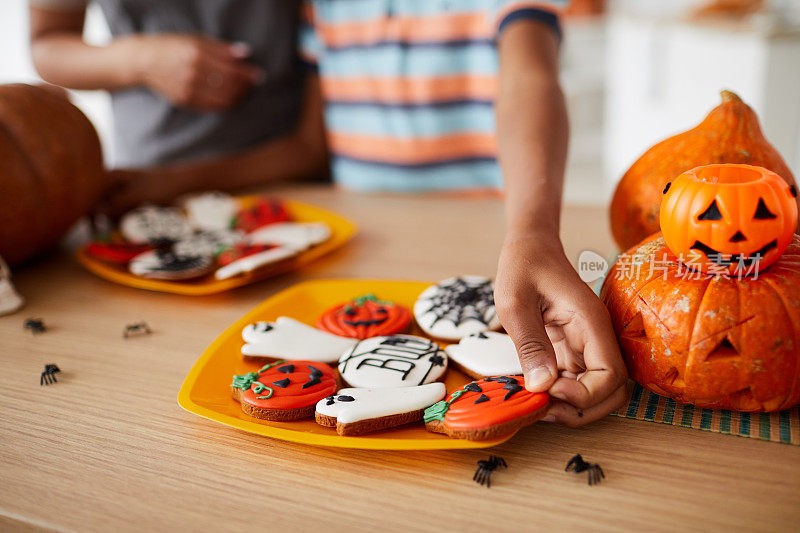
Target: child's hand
pixel 561 329
pixel 193 71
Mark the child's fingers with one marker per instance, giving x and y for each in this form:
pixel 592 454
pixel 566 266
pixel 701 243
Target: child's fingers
pixel 569 415
pixel 536 354
pixel 591 387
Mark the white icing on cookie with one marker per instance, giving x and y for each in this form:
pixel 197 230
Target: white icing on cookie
pixel 376 403
pixel 210 243
pixel 299 235
pixel 286 338
pixel 393 361
pixel 151 223
pixel 211 210
pixel 157 265
pixel 487 354
pixel 252 262
pixel 457 307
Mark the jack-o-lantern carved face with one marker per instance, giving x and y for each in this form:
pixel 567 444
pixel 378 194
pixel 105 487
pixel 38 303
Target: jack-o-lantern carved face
pixel 365 317
pixel 728 219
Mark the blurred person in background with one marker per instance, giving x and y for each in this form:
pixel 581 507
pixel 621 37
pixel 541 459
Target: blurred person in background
pixel 206 94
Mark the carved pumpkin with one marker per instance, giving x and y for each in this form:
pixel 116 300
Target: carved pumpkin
pixel 714 341
pixel 51 169
pixel 728 219
pixel 729 134
pixel 365 317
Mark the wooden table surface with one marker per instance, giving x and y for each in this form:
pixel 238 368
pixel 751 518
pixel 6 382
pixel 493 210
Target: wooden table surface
pixel 108 447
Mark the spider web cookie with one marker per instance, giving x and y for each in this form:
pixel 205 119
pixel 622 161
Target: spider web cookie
pixel 457 307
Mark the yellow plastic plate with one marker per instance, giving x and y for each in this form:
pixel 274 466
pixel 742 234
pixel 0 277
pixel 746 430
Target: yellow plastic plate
pixel 342 230
pixel 206 390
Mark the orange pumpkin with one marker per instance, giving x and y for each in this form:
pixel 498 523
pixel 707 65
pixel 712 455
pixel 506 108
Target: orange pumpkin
pixel 729 134
pixel 51 169
pixel 365 317
pixel 714 341
pixel 728 219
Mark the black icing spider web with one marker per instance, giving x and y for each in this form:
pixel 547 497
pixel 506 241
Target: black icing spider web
pixel 462 300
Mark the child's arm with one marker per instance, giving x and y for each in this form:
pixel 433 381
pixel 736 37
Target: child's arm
pixel 188 70
pixel 561 329
pixel 301 154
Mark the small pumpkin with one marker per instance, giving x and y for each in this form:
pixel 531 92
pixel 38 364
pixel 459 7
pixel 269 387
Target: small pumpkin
pixel 51 169
pixel 729 134
pixel 728 219
pixel 714 341
pixel 365 317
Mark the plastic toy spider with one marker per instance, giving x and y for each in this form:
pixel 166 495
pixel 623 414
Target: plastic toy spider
pixel 483 474
pixel 140 328
pixel 594 472
pixel 49 374
pixel 36 325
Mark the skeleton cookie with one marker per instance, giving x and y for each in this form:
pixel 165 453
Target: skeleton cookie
pixel 152 224
pixel 356 411
pixel 457 307
pixel 287 338
pixel 393 361
pixel 485 354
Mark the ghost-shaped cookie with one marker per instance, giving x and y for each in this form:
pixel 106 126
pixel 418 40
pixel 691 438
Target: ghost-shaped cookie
pixel 355 411
pixel 298 235
pixel 485 354
pixel 286 338
pixel 211 211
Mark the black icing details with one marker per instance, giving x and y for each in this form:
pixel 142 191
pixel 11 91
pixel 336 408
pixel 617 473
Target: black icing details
pixel 310 383
pixel 315 373
pixel 263 327
pixel 482 398
pixel 461 300
pixel 480 335
pixel 282 383
pixel 374 322
pixel 396 353
pixel 170 262
pixel 512 389
pixel 504 379
pixel 286 369
pixel 473 387
pixel 436 360
pixel 330 400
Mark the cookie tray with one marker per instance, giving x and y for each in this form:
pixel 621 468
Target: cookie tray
pixel 206 389
pixel 342 230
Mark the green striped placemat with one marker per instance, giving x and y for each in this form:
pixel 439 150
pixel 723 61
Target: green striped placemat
pixel 776 427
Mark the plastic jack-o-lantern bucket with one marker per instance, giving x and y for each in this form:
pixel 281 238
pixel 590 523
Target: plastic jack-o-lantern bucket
pixel 728 219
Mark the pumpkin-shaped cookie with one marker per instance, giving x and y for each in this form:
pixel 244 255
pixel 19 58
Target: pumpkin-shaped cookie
pixel 263 212
pixel 728 219
pixel 487 408
pixel 116 252
pixel 365 317
pixel 286 390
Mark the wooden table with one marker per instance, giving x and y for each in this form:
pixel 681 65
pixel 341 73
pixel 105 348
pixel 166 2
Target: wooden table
pixel 108 448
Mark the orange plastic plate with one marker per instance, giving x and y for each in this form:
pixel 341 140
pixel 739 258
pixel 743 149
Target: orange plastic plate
pixel 342 230
pixel 206 390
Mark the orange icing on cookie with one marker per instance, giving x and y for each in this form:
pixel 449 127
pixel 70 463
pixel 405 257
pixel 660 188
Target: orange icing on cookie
pixel 294 384
pixel 464 414
pixel 365 317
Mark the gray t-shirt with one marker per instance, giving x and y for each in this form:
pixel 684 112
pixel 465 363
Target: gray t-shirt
pixel 150 130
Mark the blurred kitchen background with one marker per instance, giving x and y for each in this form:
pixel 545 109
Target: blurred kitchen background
pixel 634 72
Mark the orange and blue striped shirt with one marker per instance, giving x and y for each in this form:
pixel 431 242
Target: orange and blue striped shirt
pixel 409 88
